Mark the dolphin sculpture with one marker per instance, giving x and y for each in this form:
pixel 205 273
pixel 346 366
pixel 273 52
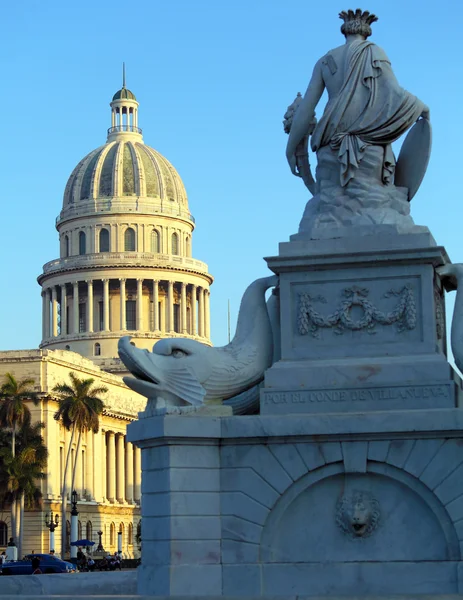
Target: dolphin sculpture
pixel 185 372
pixel 454 276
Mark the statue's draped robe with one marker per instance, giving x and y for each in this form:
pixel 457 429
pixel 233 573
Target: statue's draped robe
pixel 370 108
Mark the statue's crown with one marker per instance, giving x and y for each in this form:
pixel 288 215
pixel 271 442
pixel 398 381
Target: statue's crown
pixel 357 22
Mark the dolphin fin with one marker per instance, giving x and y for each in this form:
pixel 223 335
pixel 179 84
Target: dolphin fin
pixel 184 384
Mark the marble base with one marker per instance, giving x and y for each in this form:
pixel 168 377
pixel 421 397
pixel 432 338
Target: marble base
pixel 263 505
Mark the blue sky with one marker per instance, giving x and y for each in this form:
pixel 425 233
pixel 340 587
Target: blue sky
pixel 213 80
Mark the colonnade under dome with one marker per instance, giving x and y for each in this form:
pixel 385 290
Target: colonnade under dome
pixel 94 305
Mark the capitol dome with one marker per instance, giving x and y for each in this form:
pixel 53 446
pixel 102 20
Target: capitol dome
pixel 125 265
pixel 121 169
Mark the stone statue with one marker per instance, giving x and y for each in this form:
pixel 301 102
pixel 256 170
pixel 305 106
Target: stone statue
pixel 181 372
pixel 367 110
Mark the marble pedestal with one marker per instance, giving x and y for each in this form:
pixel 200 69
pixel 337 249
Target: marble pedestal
pixel 350 481
pixel 362 326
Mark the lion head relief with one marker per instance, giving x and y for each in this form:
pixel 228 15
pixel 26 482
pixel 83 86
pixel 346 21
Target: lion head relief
pixel 357 514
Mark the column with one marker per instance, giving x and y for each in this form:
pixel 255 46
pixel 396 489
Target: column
pixel 63 311
pixel 170 306
pixel 183 308
pixel 139 304
pixel 120 473
pixel 111 466
pixel 207 315
pixel 44 314
pixel 54 312
pixel 105 304
pixel 201 312
pixel 129 472
pixel 122 300
pixel 99 467
pixel 78 478
pixel 90 305
pixel 194 330
pixel 155 305
pixel 75 306
pixel 67 441
pixel 137 473
pixel 89 468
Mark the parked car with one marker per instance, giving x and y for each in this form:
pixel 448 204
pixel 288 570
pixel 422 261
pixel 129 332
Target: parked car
pixel 48 564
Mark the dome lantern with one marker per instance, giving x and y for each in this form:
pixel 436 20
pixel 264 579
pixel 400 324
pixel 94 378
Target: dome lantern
pixel 124 114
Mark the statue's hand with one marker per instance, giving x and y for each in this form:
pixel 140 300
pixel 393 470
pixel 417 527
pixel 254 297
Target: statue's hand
pixel 426 114
pixel 293 164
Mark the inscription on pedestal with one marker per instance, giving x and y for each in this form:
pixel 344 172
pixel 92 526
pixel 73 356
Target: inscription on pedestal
pixel 353 398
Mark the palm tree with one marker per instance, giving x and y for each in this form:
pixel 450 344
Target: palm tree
pixel 79 410
pixel 22 471
pixel 13 414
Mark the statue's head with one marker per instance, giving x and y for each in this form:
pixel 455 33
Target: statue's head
pixel 357 23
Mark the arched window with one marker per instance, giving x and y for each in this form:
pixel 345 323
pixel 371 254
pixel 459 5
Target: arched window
pixel 3 533
pixel 104 240
pixel 112 535
pixel 97 349
pixel 174 243
pixel 67 347
pixel 82 242
pixel 121 533
pixel 129 240
pixel 188 246
pixel 79 530
pixel 68 536
pixel 66 246
pixel 155 241
pixel 89 531
pixel 130 534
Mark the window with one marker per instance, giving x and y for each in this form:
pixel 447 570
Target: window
pixel 129 240
pixel 82 317
pixel 155 242
pixel 68 318
pixel 66 246
pixel 130 534
pixel 112 535
pixel 174 243
pixel 97 353
pixel 89 531
pixel 177 318
pixel 188 246
pixel 3 533
pixel 82 242
pixel 79 530
pixel 101 315
pixel 67 347
pixel 104 240
pixel 131 314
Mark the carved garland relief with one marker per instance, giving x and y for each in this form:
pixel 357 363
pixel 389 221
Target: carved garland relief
pixel 310 320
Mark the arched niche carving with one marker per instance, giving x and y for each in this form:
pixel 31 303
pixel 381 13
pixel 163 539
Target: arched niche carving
pixel 413 524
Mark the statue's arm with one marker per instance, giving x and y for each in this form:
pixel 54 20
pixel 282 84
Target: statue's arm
pixel 388 73
pixel 305 114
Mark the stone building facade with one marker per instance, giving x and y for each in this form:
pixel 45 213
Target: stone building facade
pixel 125 267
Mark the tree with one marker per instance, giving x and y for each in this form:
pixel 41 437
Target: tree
pixel 14 412
pixel 19 473
pixel 79 410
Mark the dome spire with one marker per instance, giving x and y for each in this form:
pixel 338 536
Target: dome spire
pixel 124 114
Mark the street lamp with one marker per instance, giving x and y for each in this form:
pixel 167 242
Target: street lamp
pixel 100 544
pixel 52 523
pixel 74 515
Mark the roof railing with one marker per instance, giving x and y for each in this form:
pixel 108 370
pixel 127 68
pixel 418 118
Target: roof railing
pixel 124 128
